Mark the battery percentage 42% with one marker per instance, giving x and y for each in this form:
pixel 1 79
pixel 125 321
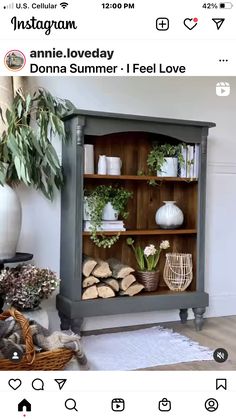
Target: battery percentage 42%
pixel 210 6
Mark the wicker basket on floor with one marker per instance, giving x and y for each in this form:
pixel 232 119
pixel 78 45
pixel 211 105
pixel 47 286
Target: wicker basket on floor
pixel 178 271
pixel 32 361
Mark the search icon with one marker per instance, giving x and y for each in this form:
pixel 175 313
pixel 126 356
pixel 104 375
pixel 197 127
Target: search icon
pixel 38 384
pixel 70 404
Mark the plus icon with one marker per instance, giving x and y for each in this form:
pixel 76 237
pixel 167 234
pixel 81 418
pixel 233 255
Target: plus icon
pixel 162 24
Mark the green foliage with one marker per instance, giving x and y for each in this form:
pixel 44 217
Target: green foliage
pixel 156 157
pixel 26 151
pixel 96 200
pixel 148 258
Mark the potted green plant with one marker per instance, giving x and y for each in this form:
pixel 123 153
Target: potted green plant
pixel 27 155
pixel 105 203
pixel 164 158
pixel 147 260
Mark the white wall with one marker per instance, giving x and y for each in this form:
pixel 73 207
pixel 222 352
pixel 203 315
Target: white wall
pixel 187 98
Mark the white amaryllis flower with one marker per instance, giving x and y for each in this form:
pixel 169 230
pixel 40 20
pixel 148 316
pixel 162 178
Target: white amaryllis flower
pixel 164 244
pixel 150 250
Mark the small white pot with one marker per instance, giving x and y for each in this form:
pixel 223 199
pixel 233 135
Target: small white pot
pixel 169 167
pixel 10 221
pixel 109 213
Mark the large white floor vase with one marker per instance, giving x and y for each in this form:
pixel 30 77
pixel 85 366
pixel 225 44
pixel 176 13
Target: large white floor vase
pixel 10 222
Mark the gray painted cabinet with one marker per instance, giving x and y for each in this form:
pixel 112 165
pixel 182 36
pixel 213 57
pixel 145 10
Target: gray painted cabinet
pixel 127 135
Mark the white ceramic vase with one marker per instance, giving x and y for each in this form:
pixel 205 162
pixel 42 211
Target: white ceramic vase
pixel 169 167
pixel 102 165
pixel 109 213
pixel 169 215
pixel 10 221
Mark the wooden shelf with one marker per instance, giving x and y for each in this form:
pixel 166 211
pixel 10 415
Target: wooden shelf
pixel 140 178
pixel 154 232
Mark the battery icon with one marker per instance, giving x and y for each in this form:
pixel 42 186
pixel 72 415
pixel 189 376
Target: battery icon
pixel 226 5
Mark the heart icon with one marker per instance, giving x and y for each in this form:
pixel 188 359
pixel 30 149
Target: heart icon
pixel 15 384
pixel 191 23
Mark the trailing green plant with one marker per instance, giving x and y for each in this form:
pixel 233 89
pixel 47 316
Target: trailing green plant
pixel 157 156
pixel 26 151
pixel 96 201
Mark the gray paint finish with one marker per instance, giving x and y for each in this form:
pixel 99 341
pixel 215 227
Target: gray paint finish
pixel 69 304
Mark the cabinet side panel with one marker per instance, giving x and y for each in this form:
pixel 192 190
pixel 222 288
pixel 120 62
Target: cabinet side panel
pixel 71 213
pixel 201 215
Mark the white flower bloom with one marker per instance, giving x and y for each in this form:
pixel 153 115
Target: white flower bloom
pixel 164 244
pixel 149 250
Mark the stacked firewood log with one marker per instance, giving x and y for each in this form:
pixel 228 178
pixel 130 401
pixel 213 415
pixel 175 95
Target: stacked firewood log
pixel 107 279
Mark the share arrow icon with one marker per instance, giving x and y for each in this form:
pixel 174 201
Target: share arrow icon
pixel 219 22
pixel 60 382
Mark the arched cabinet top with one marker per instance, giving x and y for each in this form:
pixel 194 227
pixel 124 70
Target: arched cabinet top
pixel 102 123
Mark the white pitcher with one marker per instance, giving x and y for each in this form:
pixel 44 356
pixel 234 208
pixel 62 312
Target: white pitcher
pixel 102 165
pixel 114 165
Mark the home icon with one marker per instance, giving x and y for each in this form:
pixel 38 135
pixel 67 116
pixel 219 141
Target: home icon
pixel 24 405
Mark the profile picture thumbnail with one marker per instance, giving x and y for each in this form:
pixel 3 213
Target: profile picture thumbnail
pixel 14 60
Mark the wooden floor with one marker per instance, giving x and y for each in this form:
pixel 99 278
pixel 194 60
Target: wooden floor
pixel 217 332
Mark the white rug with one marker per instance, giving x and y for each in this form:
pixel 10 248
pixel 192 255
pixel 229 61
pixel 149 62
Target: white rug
pixel 141 349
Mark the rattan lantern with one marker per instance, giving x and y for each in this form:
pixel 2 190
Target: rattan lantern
pixel 178 271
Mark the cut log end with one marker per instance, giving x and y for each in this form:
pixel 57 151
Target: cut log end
pixel 88 265
pixel 102 269
pixel 113 283
pixel 119 270
pixel 134 289
pixel 90 293
pixel 104 291
pixel 126 282
pixel 90 280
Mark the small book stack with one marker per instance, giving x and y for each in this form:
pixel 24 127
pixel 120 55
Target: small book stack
pixel 106 226
pixel 190 167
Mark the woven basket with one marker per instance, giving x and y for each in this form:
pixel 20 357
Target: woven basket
pixel 149 279
pixel 32 361
pixel 178 271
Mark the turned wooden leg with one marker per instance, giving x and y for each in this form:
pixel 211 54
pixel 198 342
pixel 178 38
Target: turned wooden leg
pixel 76 325
pixel 198 313
pixel 65 321
pixel 183 314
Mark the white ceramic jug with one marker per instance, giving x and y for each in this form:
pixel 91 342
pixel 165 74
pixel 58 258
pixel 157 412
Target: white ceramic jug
pixel 114 165
pixel 102 165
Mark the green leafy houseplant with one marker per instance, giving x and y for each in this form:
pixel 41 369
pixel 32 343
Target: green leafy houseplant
pixel 157 156
pixel 26 151
pixel 96 201
pixel 25 286
pixel 148 258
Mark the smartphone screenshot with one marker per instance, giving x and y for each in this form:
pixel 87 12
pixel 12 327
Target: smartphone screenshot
pixel 117 209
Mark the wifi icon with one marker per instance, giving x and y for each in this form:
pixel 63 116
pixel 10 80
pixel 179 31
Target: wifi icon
pixel 63 4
